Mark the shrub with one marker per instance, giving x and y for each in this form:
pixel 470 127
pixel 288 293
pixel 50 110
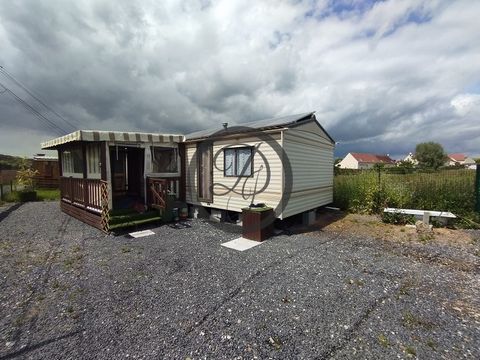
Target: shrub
pixel 397 218
pixel 361 191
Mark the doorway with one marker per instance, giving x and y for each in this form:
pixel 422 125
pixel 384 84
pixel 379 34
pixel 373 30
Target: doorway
pixel 127 169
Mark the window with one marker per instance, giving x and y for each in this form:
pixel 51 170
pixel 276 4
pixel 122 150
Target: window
pixel 164 159
pixel 238 161
pixel 93 159
pixel 72 161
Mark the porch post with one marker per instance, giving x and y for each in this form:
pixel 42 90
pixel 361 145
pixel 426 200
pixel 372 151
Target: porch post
pixel 103 161
pixel 108 172
pixel 183 171
pixel 60 173
pixel 85 186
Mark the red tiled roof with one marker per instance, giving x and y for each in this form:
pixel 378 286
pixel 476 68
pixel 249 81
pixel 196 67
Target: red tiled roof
pixel 457 157
pixel 373 158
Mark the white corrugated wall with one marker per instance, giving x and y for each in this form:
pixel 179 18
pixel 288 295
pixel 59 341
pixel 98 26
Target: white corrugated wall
pixel 310 153
pixel 231 194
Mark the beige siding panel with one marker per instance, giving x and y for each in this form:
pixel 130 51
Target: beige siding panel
pixel 233 193
pixel 310 154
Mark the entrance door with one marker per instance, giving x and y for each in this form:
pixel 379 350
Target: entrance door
pixel 205 172
pixel 127 170
pixel 118 162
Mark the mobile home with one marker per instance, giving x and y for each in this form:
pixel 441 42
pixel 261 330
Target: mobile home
pixel 285 163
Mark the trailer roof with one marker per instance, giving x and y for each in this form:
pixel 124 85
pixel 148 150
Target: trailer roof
pixel 253 125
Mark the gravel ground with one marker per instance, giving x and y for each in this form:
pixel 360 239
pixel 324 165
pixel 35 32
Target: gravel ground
pixel 70 292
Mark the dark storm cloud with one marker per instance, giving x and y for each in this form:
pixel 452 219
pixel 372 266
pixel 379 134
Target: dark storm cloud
pixel 180 66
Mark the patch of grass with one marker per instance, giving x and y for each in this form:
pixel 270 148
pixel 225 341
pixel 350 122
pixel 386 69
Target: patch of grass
pixel 358 282
pixel 12 197
pixel 48 194
pixel 55 284
pixel 410 351
pixel 72 261
pixel 426 237
pixel 383 340
pixel 407 286
pixel 275 342
pixel 432 344
pixel 410 320
pixel 125 249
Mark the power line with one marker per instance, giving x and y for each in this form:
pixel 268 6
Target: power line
pixel 11 77
pixel 27 106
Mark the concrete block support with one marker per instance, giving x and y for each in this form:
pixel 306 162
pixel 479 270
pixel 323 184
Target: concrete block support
pixel 309 217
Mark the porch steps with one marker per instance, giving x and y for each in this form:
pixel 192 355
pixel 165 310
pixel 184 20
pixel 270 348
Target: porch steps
pixel 129 218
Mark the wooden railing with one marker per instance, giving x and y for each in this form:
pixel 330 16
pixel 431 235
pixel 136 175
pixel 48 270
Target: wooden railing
pixel 159 188
pixel 85 193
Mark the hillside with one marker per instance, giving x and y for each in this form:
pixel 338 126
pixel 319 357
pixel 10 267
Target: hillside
pixel 8 162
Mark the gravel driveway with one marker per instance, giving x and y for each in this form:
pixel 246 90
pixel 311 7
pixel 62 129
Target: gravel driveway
pixel 70 292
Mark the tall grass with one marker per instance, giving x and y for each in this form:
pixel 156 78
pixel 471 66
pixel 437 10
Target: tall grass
pixel 446 190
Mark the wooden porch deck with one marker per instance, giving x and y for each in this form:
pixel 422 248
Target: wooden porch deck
pixel 88 199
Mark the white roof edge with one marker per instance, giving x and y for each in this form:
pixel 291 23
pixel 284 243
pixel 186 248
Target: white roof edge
pixel 119 136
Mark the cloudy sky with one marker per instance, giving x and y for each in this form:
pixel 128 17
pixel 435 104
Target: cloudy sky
pixel 381 76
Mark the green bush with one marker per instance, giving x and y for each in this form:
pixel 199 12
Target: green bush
pixel 364 191
pixel 37 195
pixel 397 218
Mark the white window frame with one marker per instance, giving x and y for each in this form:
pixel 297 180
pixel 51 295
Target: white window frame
pixel 94 150
pixel 235 161
pixel 68 164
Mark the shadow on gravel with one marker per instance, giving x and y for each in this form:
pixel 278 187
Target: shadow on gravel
pixel 38 345
pixel 324 217
pixel 4 214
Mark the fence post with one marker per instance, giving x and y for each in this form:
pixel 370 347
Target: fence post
pixel 477 189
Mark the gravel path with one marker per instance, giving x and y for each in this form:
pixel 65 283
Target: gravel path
pixel 70 292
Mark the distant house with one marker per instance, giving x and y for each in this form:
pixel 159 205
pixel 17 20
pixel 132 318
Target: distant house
pixel 48 172
pixel 411 158
pixel 364 161
pixel 459 159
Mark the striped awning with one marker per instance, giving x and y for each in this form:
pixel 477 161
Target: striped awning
pixel 114 136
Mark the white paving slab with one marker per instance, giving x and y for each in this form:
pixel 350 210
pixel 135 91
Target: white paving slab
pixel 143 233
pixel 241 244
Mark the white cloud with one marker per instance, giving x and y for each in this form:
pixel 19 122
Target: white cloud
pixel 381 78
pixel 465 104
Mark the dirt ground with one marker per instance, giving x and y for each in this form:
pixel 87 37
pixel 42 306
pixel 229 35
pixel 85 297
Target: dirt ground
pixel 372 226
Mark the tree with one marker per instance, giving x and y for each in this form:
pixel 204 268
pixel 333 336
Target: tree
pixel 26 176
pixel 430 155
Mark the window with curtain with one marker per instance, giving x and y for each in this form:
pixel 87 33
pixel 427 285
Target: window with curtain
pixel 164 159
pixel 72 161
pixel 238 161
pixel 93 159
